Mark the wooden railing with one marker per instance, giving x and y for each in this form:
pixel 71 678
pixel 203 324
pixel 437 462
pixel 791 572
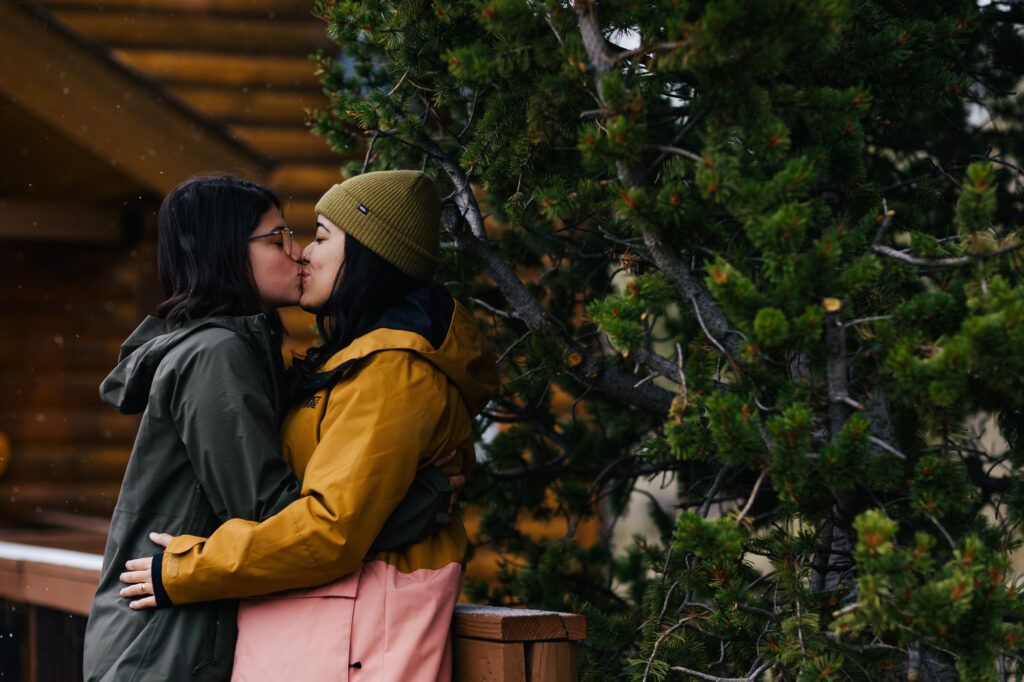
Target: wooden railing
pixel 45 594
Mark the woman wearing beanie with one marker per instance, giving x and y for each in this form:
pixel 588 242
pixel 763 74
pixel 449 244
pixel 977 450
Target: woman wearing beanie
pixel 394 386
pixel 205 372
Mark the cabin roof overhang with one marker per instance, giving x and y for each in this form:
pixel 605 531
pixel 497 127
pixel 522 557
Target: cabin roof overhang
pixel 67 107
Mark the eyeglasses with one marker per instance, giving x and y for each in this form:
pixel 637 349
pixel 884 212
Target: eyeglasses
pixel 287 238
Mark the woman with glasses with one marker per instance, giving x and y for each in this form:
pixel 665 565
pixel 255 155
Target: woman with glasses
pixel 205 373
pixel 400 374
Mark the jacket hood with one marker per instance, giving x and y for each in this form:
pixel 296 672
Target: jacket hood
pixel 430 323
pixel 126 388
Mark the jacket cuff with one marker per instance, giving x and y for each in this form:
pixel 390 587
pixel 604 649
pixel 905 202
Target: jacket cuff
pixel 162 600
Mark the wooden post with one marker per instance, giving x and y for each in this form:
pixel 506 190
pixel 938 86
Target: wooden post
pixel 497 644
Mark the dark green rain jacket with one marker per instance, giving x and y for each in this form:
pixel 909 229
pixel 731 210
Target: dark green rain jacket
pixel 207 451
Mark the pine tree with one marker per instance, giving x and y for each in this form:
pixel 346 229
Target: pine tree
pixel 772 253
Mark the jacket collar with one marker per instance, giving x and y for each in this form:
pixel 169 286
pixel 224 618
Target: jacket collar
pixel 432 325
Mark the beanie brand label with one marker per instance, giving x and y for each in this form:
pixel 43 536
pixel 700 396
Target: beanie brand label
pixel 363 209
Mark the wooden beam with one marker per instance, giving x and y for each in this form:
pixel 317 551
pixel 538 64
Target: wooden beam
pixel 257 106
pixel 73 539
pixel 251 35
pixel 76 88
pixel 499 644
pixel 41 162
pixel 305 180
pixel 522 625
pixel 66 221
pixel 275 8
pixel 301 217
pixel 476 660
pixel 80 463
pixel 29 502
pixel 97 426
pixel 286 143
pixel 211 68
pixel 59 579
pixel 551 661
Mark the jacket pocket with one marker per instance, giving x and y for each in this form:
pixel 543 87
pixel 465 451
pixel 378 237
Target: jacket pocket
pixel 296 635
pixel 218 645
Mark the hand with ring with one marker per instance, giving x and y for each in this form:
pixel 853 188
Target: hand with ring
pixel 139 577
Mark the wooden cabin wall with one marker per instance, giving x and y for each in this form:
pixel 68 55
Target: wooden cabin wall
pixel 65 308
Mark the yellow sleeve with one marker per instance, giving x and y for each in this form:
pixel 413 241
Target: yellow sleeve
pixel 378 428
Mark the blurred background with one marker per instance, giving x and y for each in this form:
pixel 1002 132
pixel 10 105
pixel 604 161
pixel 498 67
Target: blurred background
pixel 104 107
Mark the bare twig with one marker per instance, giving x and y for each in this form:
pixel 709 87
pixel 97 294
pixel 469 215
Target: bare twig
pixel 495 311
pixel 554 30
pixel 658 364
pixel 921 178
pixel 851 402
pixel 472 114
pixel 713 678
pixel 943 262
pixel 514 344
pixel 399 83
pixel 885 446
pixel 651 49
pixel 866 320
pixel 690 124
pixel 764 613
pixel 886 221
pixel 675 150
pixel 682 372
pixel 945 533
pixel 369 150
pixel 753 495
pixel 979 157
pixel 704 327
pixel 654 649
pixel 710 497
pixel 800 627
pixel 647 378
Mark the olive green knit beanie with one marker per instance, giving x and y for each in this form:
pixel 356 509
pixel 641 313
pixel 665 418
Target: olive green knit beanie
pixel 396 214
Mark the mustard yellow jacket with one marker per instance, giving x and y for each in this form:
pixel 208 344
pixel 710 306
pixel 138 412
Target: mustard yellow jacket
pixel 392 402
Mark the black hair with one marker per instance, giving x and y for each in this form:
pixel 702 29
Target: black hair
pixel 203 248
pixel 365 286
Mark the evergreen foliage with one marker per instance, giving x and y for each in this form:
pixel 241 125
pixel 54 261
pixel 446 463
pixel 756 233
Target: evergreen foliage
pixel 772 255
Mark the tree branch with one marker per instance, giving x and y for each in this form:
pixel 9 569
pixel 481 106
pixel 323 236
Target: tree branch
pixel 753 495
pixel 683 279
pixel 712 678
pixel 658 364
pixel 685 153
pixel 593 41
pixel 943 262
pixel 584 367
pixel 651 49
